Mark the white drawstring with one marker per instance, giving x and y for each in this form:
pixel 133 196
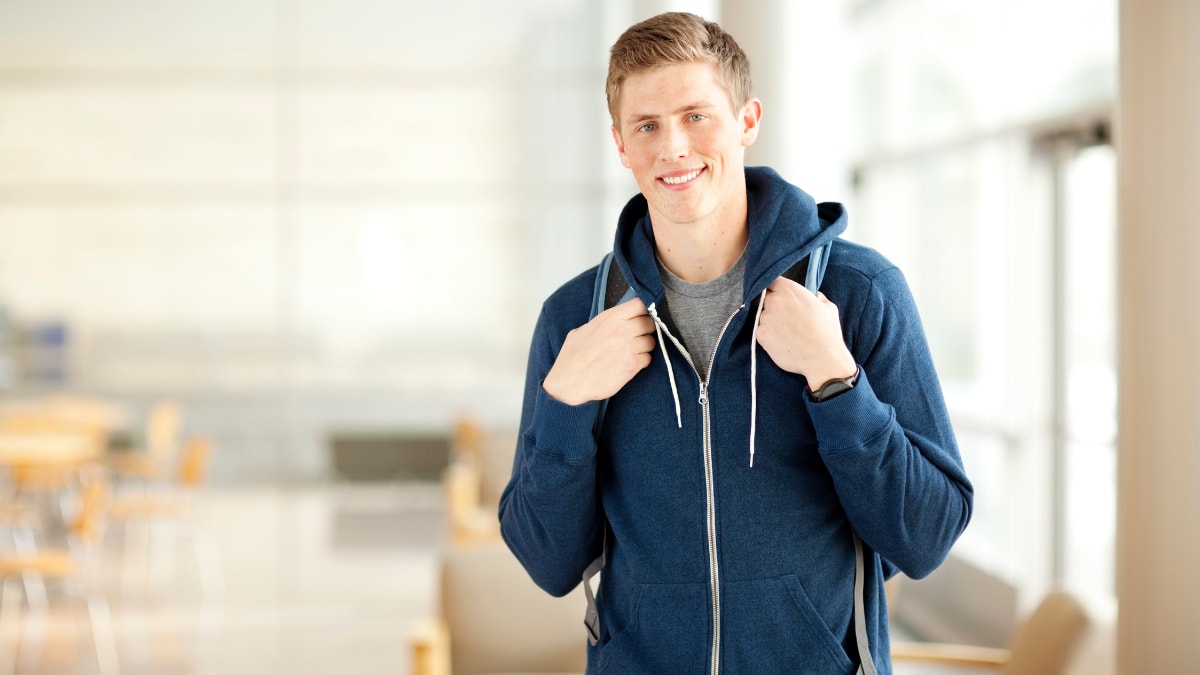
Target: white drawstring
pixel 667 359
pixel 754 374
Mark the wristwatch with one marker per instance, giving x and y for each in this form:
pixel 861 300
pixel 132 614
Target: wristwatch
pixel 833 388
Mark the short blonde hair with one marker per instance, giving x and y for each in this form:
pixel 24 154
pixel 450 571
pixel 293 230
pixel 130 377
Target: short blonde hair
pixel 672 38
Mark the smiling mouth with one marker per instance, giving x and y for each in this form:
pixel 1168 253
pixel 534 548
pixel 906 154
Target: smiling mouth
pixel 680 180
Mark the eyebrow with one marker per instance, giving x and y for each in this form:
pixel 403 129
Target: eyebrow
pixel 638 118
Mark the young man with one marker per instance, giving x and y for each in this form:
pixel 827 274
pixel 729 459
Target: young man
pixel 753 431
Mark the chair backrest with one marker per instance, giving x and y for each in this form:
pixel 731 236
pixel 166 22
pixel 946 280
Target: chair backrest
pixel 1045 643
pixel 501 622
pixel 193 463
pixel 490 454
pixel 496 464
pixel 163 424
pixel 466 438
pixel 93 497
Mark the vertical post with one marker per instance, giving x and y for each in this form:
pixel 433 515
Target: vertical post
pixel 1158 144
pixel 801 74
pixel 1061 151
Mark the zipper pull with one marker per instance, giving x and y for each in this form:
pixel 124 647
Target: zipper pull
pixel 703 394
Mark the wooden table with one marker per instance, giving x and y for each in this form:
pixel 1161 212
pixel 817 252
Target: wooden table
pixel 48 448
pixel 65 410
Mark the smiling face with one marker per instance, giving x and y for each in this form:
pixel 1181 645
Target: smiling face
pixel 685 143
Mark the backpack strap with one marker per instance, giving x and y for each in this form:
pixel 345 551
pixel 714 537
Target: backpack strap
pixel 601 284
pixel 609 290
pixel 591 618
pixel 866 663
pixel 810 271
pixel 818 260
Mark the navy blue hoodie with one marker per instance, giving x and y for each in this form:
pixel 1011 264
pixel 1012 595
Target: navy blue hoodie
pixel 714 565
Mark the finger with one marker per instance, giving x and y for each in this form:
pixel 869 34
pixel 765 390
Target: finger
pixel 781 284
pixel 628 309
pixel 641 325
pixel 642 361
pixel 643 344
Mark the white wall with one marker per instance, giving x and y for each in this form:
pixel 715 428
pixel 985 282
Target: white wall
pixel 299 216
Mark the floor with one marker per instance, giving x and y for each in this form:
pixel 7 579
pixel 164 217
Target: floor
pixel 303 581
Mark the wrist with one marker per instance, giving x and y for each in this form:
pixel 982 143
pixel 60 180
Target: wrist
pixel 818 379
pixel 833 387
pixel 561 394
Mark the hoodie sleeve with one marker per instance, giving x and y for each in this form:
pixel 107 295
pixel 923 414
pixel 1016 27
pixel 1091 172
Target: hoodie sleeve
pixel 549 512
pixel 888 442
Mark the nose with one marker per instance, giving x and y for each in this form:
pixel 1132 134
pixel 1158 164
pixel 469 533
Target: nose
pixel 674 143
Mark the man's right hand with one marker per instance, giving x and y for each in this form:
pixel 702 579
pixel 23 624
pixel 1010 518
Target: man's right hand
pixel 599 357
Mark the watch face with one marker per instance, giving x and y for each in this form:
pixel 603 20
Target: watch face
pixel 833 389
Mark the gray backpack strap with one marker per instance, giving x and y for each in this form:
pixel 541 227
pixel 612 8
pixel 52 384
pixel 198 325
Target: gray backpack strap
pixel 867 664
pixel 609 290
pixel 601 285
pixel 591 618
pixel 607 275
pixel 817 260
pixel 810 271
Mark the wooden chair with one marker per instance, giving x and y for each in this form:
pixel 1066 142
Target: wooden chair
pixel 478 471
pixel 1044 643
pixel 167 512
pixel 493 619
pixel 54 448
pixel 152 462
pixel 73 565
pixel 173 499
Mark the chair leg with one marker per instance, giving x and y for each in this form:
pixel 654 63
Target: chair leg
pixel 35 587
pixel 208 562
pixel 10 631
pixel 131 557
pixel 102 635
pixel 33 635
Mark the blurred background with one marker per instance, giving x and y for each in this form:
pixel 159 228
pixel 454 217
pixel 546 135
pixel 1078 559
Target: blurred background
pixel 322 231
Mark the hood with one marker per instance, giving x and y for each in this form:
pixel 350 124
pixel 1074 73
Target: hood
pixel 785 226
pixel 785 223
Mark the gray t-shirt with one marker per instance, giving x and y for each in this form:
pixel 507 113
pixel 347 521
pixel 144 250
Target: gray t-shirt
pixel 700 311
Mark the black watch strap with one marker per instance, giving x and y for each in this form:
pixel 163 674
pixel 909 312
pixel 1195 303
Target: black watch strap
pixel 834 387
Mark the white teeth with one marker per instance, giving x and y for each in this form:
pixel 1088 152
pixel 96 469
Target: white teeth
pixel 680 180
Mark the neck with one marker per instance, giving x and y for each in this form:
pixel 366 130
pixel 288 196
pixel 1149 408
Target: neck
pixel 698 258
pixel 699 252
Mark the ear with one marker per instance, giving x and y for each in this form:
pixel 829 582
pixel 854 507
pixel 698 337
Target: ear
pixel 620 147
pixel 751 120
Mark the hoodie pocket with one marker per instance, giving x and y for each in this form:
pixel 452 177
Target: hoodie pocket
pixel 771 625
pixel 669 631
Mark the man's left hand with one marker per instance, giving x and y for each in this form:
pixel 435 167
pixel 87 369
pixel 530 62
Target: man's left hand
pixel 802 333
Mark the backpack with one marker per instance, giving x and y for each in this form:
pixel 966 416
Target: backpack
pixel 610 290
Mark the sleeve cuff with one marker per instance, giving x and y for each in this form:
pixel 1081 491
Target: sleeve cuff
pixel 850 419
pixel 562 429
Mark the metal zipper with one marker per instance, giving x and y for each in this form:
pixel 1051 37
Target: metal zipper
pixel 710 494
pixel 714 572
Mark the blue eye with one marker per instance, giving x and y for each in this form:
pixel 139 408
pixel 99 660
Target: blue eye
pixel 646 127
pixel 695 117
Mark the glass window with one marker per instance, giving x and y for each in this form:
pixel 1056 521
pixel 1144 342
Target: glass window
pixel 951 100
pixel 1089 367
